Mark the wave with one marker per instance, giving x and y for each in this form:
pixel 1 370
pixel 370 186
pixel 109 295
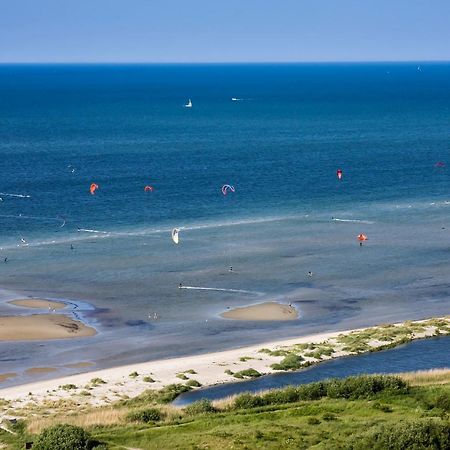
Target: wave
pixel 237 291
pixel 6 194
pixel 369 222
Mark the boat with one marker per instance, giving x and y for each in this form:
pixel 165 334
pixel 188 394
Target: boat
pixel 188 104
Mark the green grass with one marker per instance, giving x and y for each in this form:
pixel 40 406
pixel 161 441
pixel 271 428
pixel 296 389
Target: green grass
pixel 335 414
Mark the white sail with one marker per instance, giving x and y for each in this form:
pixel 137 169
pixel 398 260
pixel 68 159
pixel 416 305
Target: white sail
pixel 175 238
pixel 188 104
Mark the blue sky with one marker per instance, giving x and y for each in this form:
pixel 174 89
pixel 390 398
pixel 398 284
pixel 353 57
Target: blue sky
pixel 223 30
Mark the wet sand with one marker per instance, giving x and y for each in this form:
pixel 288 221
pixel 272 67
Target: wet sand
pixel 262 312
pixel 80 365
pixel 35 303
pixel 39 370
pixel 7 376
pixel 42 327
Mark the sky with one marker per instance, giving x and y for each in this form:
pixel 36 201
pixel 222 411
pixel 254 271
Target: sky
pixel 189 31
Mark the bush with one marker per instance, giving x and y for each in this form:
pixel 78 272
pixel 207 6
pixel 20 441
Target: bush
pixel 364 386
pixel 171 392
pixel 182 376
pixel 96 381
pixel 148 379
pixel 443 402
pixel 312 391
pixel 203 406
pixel 145 415
pixel 313 421
pixel 193 383
pixel 68 387
pixel 133 374
pixel 247 400
pixel 63 436
pixel 249 373
pixel 280 396
pixel 413 435
pixel 289 362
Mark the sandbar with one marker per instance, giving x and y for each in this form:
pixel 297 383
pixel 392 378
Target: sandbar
pixel 7 376
pixel 263 312
pixel 39 370
pixel 42 327
pixel 35 303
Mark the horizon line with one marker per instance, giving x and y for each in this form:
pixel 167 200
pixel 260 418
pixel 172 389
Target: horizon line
pixel 406 61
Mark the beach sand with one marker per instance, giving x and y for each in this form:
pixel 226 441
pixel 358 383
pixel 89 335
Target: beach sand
pixel 262 312
pixel 212 368
pixel 35 303
pixel 42 327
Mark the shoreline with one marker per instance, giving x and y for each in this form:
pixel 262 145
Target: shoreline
pixel 106 386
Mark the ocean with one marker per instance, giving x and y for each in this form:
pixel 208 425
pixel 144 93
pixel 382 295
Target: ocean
pixel 63 127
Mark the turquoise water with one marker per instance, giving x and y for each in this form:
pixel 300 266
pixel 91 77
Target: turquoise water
pixel 123 127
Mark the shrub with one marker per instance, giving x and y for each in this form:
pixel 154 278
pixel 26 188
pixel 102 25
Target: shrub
pixel 249 373
pixel 280 396
pixel 247 400
pixel 417 435
pixel 443 402
pixel 364 386
pixel 312 391
pixel 289 362
pixel 203 406
pixel 171 392
pixel 148 379
pixel 329 417
pixel 63 436
pixel 145 415
pixel 229 372
pixel 182 376
pixel 68 387
pixel 96 381
pixel 191 371
pixel 313 421
pixel 133 374
pixel 193 383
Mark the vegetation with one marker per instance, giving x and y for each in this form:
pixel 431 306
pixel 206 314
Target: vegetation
pixel 145 415
pixel 63 436
pixel 68 387
pixel 133 374
pixel 247 373
pixel 289 362
pixel 375 412
pixel 193 383
pixel 97 381
pixel 148 379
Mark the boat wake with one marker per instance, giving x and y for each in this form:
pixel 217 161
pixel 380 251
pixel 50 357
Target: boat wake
pixel 237 291
pixel 334 219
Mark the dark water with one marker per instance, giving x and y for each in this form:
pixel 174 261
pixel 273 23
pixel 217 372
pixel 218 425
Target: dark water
pixel 123 127
pixel 424 354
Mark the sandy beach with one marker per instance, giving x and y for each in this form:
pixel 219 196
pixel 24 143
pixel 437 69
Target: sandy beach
pixel 108 385
pixel 262 312
pixel 42 327
pixel 35 303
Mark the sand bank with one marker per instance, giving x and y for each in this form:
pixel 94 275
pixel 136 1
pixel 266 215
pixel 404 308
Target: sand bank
pixel 42 327
pixel 213 368
pixel 7 376
pixel 108 385
pixel 39 370
pixel 35 303
pixel 262 312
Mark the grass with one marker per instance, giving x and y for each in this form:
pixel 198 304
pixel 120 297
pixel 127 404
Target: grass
pixel 324 415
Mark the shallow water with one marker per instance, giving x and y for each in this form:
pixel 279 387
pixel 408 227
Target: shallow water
pixel 124 127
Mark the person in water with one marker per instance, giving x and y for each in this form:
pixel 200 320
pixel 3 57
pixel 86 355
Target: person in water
pixel 231 268
pixel 71 247
pixel 310 274
pixel 180 286
pixel 6 259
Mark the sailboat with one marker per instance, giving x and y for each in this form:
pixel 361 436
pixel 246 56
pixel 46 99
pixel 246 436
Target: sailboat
pixel 188 104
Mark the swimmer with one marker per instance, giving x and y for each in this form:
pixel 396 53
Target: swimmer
pixel 310 274
pixel 6 259
pixel 23 241
pixel 180 286
pixel 71 247
pixel 231 269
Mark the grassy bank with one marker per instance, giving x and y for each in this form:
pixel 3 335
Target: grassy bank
pixel 336 414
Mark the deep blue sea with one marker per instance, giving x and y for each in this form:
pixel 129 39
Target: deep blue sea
pixel 123 127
